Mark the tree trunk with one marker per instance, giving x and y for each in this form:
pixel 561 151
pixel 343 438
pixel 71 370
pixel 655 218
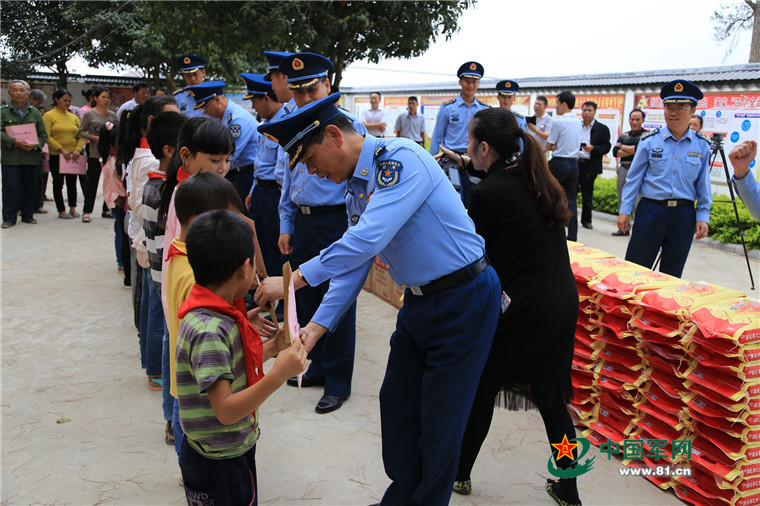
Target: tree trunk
pixel 754 48
pixel 60 66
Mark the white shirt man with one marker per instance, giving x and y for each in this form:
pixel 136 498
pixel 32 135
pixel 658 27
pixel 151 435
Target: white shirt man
pixel 375 118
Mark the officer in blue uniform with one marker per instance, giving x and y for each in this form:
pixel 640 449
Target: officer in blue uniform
pixel 278 79
pixel 193 70
pixel 242 125
pixel 269 168
pixel 671 170
pixel 506 95
pixel 454 117
pixel 401 207
pixel 313 216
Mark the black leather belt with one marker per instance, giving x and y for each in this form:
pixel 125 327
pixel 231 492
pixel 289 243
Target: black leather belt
pixel 322 209
pixel 243 168
pixel 267 182
pixel 671 202
pixel 564 158
pixel 451 280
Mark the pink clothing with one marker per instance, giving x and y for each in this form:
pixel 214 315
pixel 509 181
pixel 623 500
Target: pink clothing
pixel 113 187
pixel 171 233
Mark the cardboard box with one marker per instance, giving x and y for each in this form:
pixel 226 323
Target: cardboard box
pixel 397 296
pixel 382 284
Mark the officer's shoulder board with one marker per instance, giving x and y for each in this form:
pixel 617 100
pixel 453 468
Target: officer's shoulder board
pixel 518 115
pixel 449 102
pixel 178 91
pixel 482 103
pixel 649 134
pixel 704 137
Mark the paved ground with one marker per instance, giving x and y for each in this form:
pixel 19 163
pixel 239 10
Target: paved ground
pixel 70 351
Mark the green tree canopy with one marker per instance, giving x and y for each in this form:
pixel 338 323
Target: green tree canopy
pixel 231 35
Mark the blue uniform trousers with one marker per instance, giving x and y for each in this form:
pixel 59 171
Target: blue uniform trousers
pixel 264 202
pixel 438 353
pixel 243 180
pixel 332 358
pixel 566 172
pixel 656 226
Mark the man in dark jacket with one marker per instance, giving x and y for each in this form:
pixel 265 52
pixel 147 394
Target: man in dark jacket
pixel 595 143
pixel 23 135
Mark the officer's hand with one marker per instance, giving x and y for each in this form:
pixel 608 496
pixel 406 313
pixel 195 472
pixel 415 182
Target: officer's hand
pixel 311 333
pixel 702 229
pixel 741 156
pixel 622 222
pixel 588 148
pixel 248 202
pixel 263 326
pixel 284 244
pixel 270 290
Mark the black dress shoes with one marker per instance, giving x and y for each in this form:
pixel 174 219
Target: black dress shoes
pixel 306 381
pixel 329 403
pixel 618 233
pixel 588 225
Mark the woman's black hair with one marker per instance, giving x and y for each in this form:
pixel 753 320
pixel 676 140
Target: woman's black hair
pixel 132 126
pixel 499 129
pixel 198 134
pixel 97 90
pixel 107 140
pixel 57 94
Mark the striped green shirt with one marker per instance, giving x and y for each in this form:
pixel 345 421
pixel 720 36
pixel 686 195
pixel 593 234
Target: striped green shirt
pixel 209 348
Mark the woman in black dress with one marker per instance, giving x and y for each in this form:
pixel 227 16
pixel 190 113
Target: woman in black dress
pixel 520 210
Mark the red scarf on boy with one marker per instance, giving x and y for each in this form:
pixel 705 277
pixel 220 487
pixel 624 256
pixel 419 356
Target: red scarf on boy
pixel 253 349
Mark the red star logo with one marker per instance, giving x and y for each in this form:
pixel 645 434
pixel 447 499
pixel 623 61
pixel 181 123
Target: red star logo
pixel 565 448
pixel 387 173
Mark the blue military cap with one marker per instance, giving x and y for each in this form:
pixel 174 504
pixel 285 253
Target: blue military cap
pixel 256 85
pixel 273 59
pixel 190 63
pixel 507 87
pixel 471 69
pixel 293 130
pixel 304 69
pixel 681 90
pixel 204 92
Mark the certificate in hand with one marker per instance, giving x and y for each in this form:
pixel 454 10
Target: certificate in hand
pixel 292 329
pixel 26 132
pixel 78 166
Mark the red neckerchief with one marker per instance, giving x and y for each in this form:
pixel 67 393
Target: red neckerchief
pixel 253 348
pixel 144 143
pixel 156 175
pixel 182 174
pixel 173 250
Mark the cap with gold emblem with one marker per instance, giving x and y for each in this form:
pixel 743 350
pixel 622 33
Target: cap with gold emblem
pixel 471 69
pixel 204 92
pixel 295 129
pixel 190 63
pixel 273 61
pixel 255 85
pixel 507 87
pixel 304 69
pixel 681 90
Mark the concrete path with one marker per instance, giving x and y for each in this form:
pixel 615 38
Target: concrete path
pixel 70 354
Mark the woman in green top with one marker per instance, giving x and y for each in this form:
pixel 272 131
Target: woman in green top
pixel 92 120
pixel 63 139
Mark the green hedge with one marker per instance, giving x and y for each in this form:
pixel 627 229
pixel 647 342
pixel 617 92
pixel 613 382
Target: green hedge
pixel 722 219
